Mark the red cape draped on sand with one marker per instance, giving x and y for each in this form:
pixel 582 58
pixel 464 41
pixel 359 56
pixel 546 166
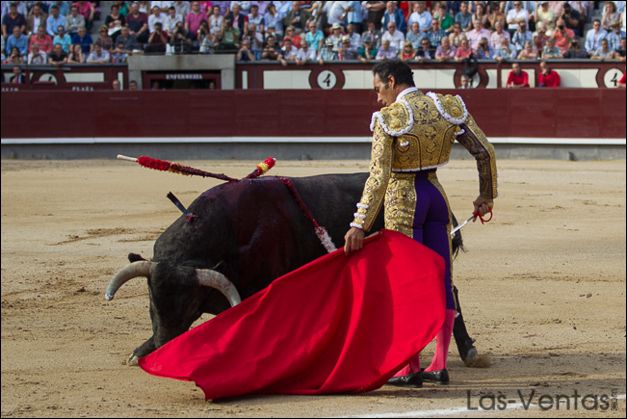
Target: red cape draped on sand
pixel 340 324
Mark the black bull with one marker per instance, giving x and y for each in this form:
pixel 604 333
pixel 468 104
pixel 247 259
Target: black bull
pixel 250 232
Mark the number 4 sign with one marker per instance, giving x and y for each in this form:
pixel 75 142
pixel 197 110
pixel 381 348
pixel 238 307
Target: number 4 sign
pixel 612 76
pixel 326 80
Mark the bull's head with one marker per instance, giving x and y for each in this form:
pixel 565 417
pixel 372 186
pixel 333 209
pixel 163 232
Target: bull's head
pixel 177 295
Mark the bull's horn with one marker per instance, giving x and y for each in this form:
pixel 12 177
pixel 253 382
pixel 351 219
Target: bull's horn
pixel 133 270
pixel 214 279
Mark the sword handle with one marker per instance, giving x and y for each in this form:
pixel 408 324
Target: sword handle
pixel 127 158
pixel 481 218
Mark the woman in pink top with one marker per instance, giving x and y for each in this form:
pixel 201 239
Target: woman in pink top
pixel 463 51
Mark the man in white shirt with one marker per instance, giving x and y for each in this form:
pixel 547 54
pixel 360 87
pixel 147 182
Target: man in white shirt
pixel 156 16
pixel 305 54
pixel 171 20
pixel 37 57
pixel 255 18
pixel 163 5
pixel 182 7
pixel 517 15
pixel 395 37
pixel 338 12
pixel 422 16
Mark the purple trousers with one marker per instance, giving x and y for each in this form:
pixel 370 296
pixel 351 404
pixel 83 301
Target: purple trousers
pixel 431 223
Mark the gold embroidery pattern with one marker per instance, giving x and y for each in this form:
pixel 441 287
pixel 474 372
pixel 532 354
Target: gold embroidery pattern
pixel 395 117
pixel 452 106
pixel 475 141
pixel 376 185
pixel 429 142
pixel 406 152
pixel 400 203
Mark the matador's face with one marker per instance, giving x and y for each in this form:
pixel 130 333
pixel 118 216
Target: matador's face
pixel 386 92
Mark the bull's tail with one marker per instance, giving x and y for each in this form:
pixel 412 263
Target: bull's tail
pixel 466 344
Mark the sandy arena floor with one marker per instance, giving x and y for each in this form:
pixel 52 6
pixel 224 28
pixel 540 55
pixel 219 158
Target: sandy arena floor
pixel 542 287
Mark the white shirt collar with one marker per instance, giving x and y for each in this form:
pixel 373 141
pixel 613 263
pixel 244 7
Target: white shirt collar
pixel 406 92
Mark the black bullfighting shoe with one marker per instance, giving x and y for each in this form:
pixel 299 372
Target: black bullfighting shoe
pixel 438 377
pixel 411 380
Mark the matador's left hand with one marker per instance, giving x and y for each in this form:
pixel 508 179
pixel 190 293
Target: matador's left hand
pixel 354 240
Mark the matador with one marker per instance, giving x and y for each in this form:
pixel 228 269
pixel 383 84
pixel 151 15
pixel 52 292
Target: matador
pixel 413 135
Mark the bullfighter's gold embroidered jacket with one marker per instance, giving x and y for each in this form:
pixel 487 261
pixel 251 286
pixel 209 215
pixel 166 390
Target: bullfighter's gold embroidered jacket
pixel 413 134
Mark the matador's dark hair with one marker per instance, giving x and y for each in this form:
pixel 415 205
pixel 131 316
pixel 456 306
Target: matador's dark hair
pixel 400 70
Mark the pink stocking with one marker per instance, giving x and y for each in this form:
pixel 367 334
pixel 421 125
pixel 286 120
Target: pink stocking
pixel 412 367
pixel 442 342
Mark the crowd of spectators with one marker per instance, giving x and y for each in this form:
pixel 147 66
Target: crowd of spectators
pixel 59 32
pixel 47 32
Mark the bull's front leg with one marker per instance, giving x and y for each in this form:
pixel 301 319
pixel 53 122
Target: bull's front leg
pixel 142 350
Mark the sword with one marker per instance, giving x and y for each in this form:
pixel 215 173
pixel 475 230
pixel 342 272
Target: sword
pixel 473 217
pixel 459 227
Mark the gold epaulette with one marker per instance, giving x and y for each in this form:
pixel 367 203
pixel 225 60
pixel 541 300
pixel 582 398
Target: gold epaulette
pixel 452 108
pixel 396 119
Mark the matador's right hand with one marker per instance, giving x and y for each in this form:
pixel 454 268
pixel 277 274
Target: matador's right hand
pixel 483 205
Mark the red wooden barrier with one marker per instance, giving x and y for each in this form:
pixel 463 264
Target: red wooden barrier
pixel 551 113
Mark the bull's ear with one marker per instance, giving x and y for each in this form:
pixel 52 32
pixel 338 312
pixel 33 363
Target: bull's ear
pixel 214 279
pixel 134 257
